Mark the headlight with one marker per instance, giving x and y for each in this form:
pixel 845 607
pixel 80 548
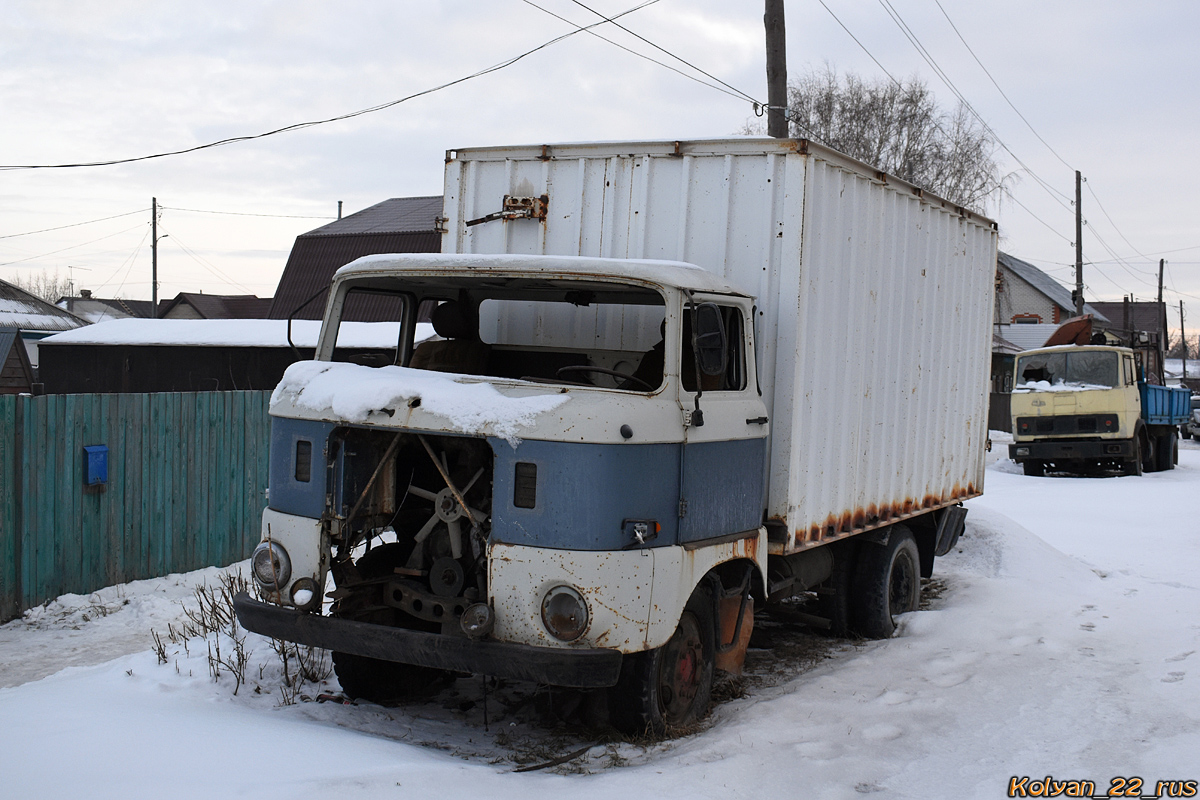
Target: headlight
pixel 271 566
pixel 1022 451
pixel 564 613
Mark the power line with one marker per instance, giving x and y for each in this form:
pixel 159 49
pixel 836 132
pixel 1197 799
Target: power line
pixel 313 123
pixel 737 94
pixel 73 224
pixel 929 59
pixel 130 259
pixel 683 61
pixel 243 213
pixel 205 263
pixel 72 247
pixel 997 85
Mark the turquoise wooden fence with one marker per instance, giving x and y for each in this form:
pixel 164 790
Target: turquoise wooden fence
pixel 187 474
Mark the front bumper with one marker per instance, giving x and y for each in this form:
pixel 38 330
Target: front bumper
pixel 1071 450
pixel 558 666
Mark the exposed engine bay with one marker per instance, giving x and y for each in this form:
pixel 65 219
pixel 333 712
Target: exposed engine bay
pixel 409 526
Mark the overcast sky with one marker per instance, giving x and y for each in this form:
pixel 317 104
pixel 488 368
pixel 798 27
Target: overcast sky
pixel 1110 86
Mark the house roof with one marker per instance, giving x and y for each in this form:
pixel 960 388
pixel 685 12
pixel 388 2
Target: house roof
pixel 28 312
pixel 1039 280
pixel 16 374
pixel 397 215
pixel 97 309
pixel 399 225
pixel 1143 316
pixel 222 306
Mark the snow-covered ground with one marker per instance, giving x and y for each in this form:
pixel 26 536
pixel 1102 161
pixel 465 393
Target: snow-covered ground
pixel 1065 643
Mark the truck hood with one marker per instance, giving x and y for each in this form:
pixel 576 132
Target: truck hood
pixel 398 396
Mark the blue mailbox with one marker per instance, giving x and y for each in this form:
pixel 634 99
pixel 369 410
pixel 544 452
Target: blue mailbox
pixel 95 465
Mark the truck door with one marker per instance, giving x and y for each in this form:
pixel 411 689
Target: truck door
pixel 723 477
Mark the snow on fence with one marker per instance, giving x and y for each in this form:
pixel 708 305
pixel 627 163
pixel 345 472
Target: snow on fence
pixel 186 476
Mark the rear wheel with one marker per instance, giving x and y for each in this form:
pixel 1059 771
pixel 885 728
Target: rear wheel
pixel 669 688
pixel 1166 452
pixel 887 583
pixel 1035 469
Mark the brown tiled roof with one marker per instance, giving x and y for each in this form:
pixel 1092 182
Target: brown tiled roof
pixel 219 306
pixel 399 225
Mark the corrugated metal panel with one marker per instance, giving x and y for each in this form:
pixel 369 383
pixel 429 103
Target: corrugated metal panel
pixel 314 259
pixel 875 298
pixel 187 474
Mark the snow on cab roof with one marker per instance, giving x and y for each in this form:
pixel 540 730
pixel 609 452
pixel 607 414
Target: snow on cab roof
pixel 666 273
pixel 232 333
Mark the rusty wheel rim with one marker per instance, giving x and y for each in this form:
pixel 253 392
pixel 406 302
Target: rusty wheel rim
pixel 680 671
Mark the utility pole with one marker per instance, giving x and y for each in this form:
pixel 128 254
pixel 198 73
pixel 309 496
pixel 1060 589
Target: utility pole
pixel 1078 244
pixel 1162 317
pixel 1183 338
pixel 154 257
pixel 777 124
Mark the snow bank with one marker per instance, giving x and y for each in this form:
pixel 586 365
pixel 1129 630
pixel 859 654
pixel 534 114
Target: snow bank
pixel 350 392
pixel 233 333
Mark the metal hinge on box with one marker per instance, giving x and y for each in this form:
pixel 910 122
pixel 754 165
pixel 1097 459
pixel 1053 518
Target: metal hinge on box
pixel 517 208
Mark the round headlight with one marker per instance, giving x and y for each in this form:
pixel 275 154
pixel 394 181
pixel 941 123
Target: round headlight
pixel 304 593
pixel 271 566
pixel 564 613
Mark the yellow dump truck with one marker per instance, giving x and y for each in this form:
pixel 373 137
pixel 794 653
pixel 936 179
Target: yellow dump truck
pixel 1088 408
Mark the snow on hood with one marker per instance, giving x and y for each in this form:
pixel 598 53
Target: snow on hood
pixel 1058 386
pixel 350 392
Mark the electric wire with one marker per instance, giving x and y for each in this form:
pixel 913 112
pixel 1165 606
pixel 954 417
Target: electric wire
pixel 65 249
pixel 313 123
pixel 871 56
pixel 929 59
pixel 997 85
pixel 246 213
pixel 73 224
pixel 735 93
pixel 204 262
pixel 663 50
pixel 128 260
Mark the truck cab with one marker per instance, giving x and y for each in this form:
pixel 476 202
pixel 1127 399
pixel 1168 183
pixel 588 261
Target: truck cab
pixel 576 475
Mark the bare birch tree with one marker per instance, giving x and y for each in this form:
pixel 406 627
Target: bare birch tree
pixel 901 130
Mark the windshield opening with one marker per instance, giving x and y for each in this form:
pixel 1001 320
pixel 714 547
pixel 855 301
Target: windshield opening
pixel 572 332
pixel 1069 370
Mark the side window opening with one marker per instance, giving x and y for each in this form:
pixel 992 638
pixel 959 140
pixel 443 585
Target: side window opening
pixel 734 377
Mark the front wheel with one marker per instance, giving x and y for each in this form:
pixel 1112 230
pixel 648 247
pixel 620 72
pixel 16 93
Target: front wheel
pixel 1034 469
pixel 887 583
pixel 669 688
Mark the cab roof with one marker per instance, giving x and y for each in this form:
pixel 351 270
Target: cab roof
pixel 663 273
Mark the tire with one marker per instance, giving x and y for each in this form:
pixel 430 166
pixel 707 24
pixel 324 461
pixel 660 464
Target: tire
pixel 1149 452
pixel 1185 432
pixel 887 583
pixel 385 682
pixel 1134 465
pixel 1034 469
pixel 1167 452
pixel 669 689
pixel 833 595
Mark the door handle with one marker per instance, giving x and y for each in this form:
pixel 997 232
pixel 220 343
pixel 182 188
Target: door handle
pixel 757 421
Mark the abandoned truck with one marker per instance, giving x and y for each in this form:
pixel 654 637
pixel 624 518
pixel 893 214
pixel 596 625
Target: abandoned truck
pixel 671 381
pixel 1094 407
